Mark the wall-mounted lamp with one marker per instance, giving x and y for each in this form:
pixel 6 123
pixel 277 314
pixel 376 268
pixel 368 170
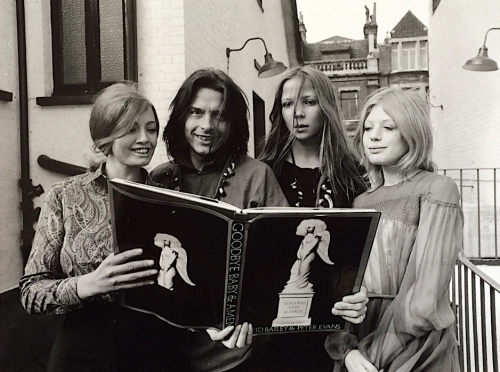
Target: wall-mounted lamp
pixel 482 62
pixel 270 66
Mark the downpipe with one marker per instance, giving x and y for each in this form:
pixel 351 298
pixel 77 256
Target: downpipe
pixel 28 190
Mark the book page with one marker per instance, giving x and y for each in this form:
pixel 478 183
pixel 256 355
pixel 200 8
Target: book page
pixel 189 246
pixel 297 266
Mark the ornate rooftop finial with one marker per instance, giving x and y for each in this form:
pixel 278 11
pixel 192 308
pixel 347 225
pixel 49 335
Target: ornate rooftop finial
pixel 371 19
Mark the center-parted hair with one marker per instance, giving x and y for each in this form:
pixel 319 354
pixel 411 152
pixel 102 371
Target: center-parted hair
pixel 337 162
pixel 115 111
pixel 410 113
pixel 234 110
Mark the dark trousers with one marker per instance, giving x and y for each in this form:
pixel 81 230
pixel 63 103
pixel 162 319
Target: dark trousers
pixel 110 338
pixel 294 352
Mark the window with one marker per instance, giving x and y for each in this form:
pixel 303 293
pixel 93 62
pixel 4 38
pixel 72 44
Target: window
pixel 409 55
pixel 93 44
pixel 349 104
pixel 395 56
pixel 423 54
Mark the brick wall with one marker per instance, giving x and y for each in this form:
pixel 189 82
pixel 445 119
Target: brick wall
pixel 468 127
pixel 161 48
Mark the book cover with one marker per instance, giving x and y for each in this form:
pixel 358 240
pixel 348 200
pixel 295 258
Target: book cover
pixel 281 269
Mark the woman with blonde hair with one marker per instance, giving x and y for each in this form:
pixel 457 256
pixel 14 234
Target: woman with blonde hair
pixel 72 269
pixel 306 146
pixel 409 324
pixel 308 152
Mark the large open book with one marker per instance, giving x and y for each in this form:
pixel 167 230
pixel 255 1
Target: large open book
pixel 282 269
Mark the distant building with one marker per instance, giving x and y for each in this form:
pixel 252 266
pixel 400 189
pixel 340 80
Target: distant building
pixel 358 67
pixel 408 65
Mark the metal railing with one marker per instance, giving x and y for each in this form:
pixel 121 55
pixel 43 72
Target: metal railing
pixel 474 296
pixel 347 65
pixel 479 200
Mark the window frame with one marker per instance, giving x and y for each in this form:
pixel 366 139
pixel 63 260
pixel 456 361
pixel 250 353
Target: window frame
pixel 93 55
pixel 426 48
pixel 344 90
pixel 409 55
pixel 395 57
pixel 399 64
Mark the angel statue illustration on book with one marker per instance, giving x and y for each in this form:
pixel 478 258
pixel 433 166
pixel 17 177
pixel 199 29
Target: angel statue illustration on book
pixel 296 298
pixel 173 260
pixel 316 241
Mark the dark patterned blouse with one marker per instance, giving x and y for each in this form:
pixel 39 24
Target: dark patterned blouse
pixel 72 238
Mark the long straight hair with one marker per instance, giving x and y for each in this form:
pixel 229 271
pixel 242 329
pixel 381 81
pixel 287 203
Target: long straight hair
pixel 410 113
pixel 337 162
pixel 234 110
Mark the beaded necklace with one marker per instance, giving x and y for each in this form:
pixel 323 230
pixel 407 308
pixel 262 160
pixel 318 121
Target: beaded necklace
pixel 325 189
pixel 227 172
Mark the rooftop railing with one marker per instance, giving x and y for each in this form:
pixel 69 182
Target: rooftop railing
pixel 479 200
pixel 343 66
pixel 474 296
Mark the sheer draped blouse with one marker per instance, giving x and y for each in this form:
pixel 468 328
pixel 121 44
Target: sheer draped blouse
pixel 412 260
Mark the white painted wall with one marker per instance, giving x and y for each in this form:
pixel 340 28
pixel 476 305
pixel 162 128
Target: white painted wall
pixel 211 27
pixel 174 38
pixel 468 127
pixel 10 169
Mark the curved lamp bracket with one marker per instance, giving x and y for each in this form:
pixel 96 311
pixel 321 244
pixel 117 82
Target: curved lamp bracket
pixel 482 62
pixel 270 67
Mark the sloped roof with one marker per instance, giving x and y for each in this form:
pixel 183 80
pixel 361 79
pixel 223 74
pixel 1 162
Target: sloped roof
pixel 333 47
pixel 409 26
pixel 335 38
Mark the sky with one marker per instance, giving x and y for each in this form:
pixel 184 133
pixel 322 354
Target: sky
pixel 326 18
